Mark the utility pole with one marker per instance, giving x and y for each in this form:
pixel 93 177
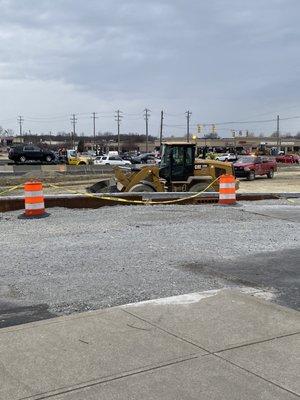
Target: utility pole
pixel 94 128
pixel 277 132
pixel 73 121
pixel 147 115
pixel 20 121
pixel 118 118
pixel 188 116
pixel 161 127
pixel 234 139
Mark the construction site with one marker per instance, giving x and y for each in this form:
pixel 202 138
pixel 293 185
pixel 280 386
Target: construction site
pixel 149 200
pixel 144 254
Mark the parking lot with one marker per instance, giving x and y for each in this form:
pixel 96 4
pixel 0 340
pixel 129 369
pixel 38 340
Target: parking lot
pixel 79 178
pixel 78 260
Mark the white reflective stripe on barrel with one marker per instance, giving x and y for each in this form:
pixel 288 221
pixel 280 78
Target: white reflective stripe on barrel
pixel 227 185
pixel 35 206
pixel 38 193
pixel 223 196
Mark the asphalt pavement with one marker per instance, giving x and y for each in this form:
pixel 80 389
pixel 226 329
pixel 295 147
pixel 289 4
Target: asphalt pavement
pixel 77 260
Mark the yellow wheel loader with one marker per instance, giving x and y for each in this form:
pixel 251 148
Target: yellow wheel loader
pixel 179 171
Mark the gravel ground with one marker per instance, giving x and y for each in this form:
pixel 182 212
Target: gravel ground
pixel 284 181
pixel 77 260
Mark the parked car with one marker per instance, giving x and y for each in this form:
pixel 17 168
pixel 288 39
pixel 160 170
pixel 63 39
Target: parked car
pixel 111 159
pixel 288 159
pixel 231 157
pixel 127 157
pixel 145 158
pixel 249 167
pixel 21 154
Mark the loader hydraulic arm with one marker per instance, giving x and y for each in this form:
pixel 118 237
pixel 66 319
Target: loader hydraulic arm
pixel 128 178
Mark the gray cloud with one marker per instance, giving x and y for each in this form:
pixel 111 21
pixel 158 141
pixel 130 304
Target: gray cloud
pixel 223 59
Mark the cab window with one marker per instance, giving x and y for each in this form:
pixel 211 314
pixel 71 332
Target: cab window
pixel 189 156
pixel 178 155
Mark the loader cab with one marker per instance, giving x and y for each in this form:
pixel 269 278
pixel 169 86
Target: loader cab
pixel 177 161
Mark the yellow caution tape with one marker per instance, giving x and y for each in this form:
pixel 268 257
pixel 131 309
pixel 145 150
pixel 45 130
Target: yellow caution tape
pixel 11 189
pixel 147 202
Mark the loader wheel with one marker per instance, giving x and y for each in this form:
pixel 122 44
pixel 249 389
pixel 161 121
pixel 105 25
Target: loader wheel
pixel 200 186
pixel 140 187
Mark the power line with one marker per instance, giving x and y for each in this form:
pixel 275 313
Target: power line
pixel 135 115
pixel 176 125
pixel 173 115
pixel 49 117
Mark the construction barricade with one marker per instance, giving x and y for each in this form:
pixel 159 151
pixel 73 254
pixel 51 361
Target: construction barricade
pixel 34 200
pixel 227 191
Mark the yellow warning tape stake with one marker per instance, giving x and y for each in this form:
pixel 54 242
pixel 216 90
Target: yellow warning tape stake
pixel 120 200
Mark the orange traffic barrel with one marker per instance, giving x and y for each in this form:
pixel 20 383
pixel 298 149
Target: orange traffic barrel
pixel 227 193
pixel 34 200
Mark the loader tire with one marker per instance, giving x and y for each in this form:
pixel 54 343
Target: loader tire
pixel 200 186
pixel 140 187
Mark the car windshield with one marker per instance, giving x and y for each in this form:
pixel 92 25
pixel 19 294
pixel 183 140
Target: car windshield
pixel 246 160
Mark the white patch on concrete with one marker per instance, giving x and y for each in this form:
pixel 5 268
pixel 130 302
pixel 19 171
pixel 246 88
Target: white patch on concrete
pixel 190 298
pixel 176 300
pixel 267 295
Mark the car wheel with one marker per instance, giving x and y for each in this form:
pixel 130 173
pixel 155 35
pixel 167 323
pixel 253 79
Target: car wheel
pixel 81 163
pixel 251 176
pixel 22 159
pixel 48 159
pixel 270 174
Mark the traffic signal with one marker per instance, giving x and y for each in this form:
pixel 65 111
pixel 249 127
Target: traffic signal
pixel 199 128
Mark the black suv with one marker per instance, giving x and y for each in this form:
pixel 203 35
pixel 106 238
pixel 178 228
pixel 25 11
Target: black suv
pixel 21 154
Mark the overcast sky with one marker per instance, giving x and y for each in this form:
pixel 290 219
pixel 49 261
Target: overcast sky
pixel 225 60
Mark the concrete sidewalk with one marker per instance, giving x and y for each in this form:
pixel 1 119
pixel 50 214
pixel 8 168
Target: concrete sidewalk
pixel 220 344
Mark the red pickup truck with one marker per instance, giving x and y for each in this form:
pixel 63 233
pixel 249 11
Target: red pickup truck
pixel 249 167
